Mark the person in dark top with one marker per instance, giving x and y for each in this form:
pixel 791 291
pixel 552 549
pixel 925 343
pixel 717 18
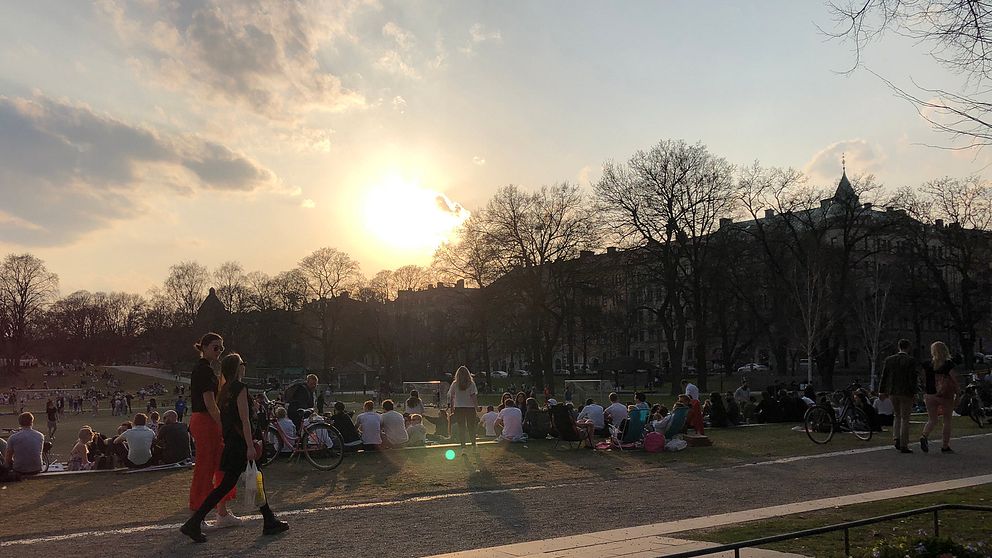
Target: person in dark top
pixel 900 380
pixel 733 409
pixel 537 422
pixel 238 449
pixel 204 426
pixel 301 396
pixel 172 439
pixel 53 418
pixel 343 423
pixel 940 388
pixel 718 412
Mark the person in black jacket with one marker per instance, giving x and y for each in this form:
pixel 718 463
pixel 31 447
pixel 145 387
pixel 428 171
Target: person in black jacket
pixel 900 380
pixel 302 396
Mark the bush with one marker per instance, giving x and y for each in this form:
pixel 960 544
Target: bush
pixel 929 547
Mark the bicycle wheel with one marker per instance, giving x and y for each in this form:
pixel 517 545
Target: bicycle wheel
pixel 271 446
pixel 820 424
pixel 323 446
pixel 857 422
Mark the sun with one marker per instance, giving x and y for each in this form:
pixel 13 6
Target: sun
pixel 408 218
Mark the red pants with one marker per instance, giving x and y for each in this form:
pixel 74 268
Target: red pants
pixel 695 417
pixel 206 473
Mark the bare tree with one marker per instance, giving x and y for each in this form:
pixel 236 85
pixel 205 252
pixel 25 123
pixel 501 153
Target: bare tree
pixel 669 201
pixel 410 278
pixel 186 287
pixel 26 290
pixel 231 284
pixel 261 292
pixel 327 272
pixel 873 306
pixel 958 34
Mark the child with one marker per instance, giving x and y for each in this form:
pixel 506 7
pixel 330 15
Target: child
pixel 153 424
pixel 489 422
pixel 79 456
pixel 370 426
pixel 417 432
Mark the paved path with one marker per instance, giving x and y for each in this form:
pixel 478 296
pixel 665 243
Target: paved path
pixel 455 521
pixel 160 373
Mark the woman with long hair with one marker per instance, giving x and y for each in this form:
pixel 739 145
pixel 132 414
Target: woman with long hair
pixel 205 428
pixel 463 397
pixel 940 389
pixel 238 450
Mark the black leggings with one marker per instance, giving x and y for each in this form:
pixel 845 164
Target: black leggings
pixel 229 481
pixel 464 421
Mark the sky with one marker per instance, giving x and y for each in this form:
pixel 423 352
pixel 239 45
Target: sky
pixel 135 134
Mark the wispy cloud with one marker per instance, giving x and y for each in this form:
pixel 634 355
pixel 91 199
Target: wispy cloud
pixel 861 156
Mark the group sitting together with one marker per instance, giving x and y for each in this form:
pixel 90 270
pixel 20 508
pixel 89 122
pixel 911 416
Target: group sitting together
pixel 140 443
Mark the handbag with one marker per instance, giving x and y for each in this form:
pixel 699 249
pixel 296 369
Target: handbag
pixel 248 487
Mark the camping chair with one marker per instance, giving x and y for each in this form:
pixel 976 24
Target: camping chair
pixel 677 424
pixel 565 426
pixel 634 431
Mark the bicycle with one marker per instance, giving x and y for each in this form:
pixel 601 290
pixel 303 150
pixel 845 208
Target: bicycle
pixel 318 440
pixel 821 421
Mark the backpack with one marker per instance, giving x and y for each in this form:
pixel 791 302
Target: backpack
pixel 654 442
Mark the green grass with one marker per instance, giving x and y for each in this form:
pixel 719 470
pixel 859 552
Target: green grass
pixel 964 527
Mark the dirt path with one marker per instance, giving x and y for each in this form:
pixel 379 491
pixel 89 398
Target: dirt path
pixel 464 519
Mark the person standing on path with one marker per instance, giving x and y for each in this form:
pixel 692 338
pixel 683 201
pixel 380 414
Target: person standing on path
pixel 53 418
pixel 463 398
pixel 239 449
pixel 940 389
pixel 900 380
pixel 205 427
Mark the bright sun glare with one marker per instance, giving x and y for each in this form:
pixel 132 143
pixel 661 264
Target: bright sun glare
pixel 409 218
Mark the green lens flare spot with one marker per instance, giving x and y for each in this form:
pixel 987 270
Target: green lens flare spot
pixel 449 455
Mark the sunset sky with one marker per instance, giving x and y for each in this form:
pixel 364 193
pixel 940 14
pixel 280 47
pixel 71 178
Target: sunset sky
pixel 137 134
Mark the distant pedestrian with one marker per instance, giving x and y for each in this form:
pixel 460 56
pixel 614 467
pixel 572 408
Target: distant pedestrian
pixel 940 389
pixel 180 408
pixel 463 398
pixel 900 377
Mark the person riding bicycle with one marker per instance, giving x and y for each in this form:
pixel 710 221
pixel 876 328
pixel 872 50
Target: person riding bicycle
pixel 300 397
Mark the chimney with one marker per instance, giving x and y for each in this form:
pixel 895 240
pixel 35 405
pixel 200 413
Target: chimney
pixel 611 249
pixel 460 284
pixel 769 213
pixel 725 221
pixel 867 206
pixel 824 204
pixel 939 223
pixel 585 253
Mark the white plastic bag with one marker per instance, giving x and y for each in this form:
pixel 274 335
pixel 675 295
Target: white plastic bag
pixel 248 487
pixel 676 444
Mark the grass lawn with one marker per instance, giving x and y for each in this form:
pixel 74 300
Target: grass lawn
pixel 964 527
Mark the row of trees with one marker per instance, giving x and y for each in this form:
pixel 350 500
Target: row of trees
pixel 734 258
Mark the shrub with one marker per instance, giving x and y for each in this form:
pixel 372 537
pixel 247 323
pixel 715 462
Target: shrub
pixel 929 547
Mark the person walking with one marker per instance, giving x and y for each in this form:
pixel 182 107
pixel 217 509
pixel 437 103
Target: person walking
pixel 205 427
pixel 463 398
pixel 900 380
pixel 239 449
pixel 940 389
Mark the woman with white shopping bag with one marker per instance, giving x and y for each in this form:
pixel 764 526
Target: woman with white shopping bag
pixel 238 450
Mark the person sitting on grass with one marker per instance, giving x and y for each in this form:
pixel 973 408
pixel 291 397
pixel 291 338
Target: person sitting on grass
pixel 416 432
pixel 172 440
pixel 641 400
pixel 617 411
pixel 661 425
pixel 133 447
pixel 414 405
pixel 733 410
pixel 288 429
pixel 717 412
pixel 153 418
pixel 342 421
pixel 511 420
pixel 537 422
pixel 488 422
pixel 393 426
pixel 442 426
pixel 370 427
pixel 24 447
pixel 79 456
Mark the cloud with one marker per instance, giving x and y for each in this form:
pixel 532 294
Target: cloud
pixel 399 104
pixel 861 157
pixel 308 204
pixel 445 204
pixel 66 170
pixel 399 57
pixel 478 35
pixel 478 160
pixel 262 54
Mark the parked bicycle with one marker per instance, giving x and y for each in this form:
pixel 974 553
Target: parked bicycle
pixel 316 440
pixel 822 421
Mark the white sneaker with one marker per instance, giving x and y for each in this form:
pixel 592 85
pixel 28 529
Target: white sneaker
pixel 204 526
pixel 225 521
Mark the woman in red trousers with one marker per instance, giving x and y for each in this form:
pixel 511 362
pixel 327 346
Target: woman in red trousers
pixel 205 427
